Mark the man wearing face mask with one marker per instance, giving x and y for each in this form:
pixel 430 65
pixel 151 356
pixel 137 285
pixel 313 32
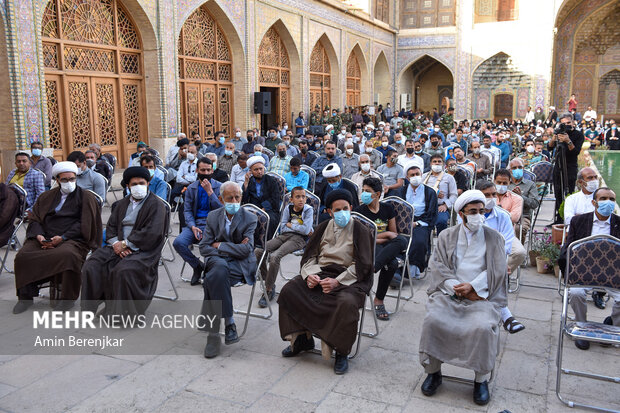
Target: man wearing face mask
pixel 227 246
pixel 364 172
pixel 444 184
pixel 304 156
pixel 435 147
pixel 186 173
pixel 86 178
pixel 581 202
pixel 248 147
pixel 288 140
pixel 40 162
pixel 376 157
pixel 238 140
pixel 508 200
pixel 393 174
pixel 467 290
pixel 201 197
pixel 612 137
pixel 384 148
pixel 280 163
pixel 65 224
pixel 123 273
pixel 335 276
pixel 101 167
pixel 156 184
pixel 273 140
pixel 219 146
pixel 424 201
pixel 410 155
pixel 483 163
pixel 525 188
pixel 601 220
pixel 350 161
pixel 320 163
pixel 178 158
pixel 334 181
pixel 218 174
pixel 228 159
pixel 262 190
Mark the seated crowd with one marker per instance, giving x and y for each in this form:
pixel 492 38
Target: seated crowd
pixel 465 182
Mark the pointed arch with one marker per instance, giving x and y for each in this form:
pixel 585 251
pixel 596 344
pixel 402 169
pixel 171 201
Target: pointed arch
pixel 382 80
pixel 609 94
pixel 427 83
pixel 356 78
pixel 279 70
pixel 7 140
pixel 324 74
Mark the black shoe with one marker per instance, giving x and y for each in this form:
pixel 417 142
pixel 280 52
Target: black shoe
pixel 341 365
pixel 22 305
pixel 262 303
pixel 302 343
pixel 197 275
pixel 598 299
pixel 230 334
pixel 64 305
pixel 608 320
pixel 481 393
pixel 582 344
pixel 212 349
pixel 431 384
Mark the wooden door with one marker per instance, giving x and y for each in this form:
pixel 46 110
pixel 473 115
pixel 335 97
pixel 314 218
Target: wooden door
pixel 208 111
pixel 191 108
pixel 105 104
pixel 54 90
pixel 78 96
pixel 503 106
pixel 133 122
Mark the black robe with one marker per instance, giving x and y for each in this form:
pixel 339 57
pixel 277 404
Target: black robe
pixel 9 209
pixel 334 316
pixel 79 222
pixel 127 285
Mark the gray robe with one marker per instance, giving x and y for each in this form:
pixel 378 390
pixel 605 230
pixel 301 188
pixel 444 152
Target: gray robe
pixel 464 333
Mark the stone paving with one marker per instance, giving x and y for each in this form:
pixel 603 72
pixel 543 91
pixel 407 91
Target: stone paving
pixel 252 376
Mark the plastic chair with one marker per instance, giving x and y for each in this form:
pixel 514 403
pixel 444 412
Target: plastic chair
pixel 173 255
pixel 19 221
pixel 312 177
pixel 404 225
pixel 586 268
pixel 162 261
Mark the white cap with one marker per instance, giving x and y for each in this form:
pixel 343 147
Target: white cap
pixel 65 166
pixel 332 170
pixel 254 159
pixel 467 197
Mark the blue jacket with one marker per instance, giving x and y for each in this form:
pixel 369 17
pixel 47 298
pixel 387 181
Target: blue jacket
pixel 505 151
pixel 191 201
pixel 159 188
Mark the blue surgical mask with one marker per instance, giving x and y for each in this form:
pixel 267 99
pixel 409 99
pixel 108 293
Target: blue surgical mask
pixel 258 153
pixel 342 218
pixel 335 185
pixel 228 153
pixel 517 173
pixel 36 152
pixel 222 139
pixel 214 166
pixel 366 198
pixel 232 207
pixel 152 172
pixel 606 208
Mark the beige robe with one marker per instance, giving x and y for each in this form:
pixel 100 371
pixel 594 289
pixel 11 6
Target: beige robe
pixel 464 333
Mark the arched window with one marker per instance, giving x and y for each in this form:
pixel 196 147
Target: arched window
pixel 274 72
pixel 320 78
pixel 354 82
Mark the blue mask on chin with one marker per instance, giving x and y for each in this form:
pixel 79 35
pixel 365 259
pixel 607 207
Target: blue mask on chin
pixel 335 185
pixel 342 218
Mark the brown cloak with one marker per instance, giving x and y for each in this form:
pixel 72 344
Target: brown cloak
pixel 9 208
pixel 333 317
pixel 79 220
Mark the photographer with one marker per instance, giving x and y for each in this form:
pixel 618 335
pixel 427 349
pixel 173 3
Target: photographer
pixel 568 141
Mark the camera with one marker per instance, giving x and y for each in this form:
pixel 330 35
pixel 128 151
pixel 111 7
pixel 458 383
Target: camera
pixel 563 128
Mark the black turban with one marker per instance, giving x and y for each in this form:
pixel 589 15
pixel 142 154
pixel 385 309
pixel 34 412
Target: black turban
pixel 136 172
pixel 182 142
pixel 336 195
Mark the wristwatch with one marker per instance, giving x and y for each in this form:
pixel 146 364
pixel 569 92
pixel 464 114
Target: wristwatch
pixel 123 244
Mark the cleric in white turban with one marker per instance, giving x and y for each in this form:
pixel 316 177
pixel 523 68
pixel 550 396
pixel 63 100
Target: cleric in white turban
pixel 333 176
pixel 64 166
pixel 254 159
pixel 467 290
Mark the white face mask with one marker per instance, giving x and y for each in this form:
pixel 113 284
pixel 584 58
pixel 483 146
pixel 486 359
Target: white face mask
pixel 67 187
pixel 490 203
pixel 437 168
pixel 191 157
pixel 139 191
pixel 349 152
pixel 530 149
pixel 501 189
pixel 368 149
pixel 384 144
pixel 238 134
pixel 592 186
pixel 415 180
pixel 474 222
pixel 365 167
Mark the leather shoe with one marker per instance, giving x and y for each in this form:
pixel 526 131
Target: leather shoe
pixel 598 299
pixel 22 305
pixel 481 393
pixel 302 343
pixel 65 305
pixel 230 334
pixel 431 384
pixel 262 303
pixel 197 275
pixel 212 348
pixel 341 364
pixel 582 344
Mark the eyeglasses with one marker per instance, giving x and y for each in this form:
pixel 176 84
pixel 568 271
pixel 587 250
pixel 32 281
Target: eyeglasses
pixel 65 180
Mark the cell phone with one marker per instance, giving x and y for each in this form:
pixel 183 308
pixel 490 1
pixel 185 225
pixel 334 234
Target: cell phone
pixel 47 240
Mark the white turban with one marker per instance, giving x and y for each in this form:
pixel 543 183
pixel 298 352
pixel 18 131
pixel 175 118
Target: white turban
pixel 418 163
pixel 254 159
pixel 382 123
pixel 332 170
pixel 467 197
pixel 64 166
pixel 329 127
pixel 370 125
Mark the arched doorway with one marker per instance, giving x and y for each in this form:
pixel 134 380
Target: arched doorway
pixel 382 81
pixel 429 84
pixel 499 80
pixel 206 76
pixel 354 81
pixel 320 77
pixel 609 95
pixel 94 73
pixel 274 76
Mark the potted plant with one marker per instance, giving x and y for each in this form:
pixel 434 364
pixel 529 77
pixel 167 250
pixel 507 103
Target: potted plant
pixel 549 257
pixel 539 240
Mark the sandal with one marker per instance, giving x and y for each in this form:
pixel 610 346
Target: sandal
pixel 513 326
pixel 381 313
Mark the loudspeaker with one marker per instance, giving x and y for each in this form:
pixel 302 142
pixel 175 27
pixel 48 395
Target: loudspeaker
pixel 262 103
pixel 317 130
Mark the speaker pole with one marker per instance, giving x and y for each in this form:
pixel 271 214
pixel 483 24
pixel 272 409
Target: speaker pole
pixel 322 106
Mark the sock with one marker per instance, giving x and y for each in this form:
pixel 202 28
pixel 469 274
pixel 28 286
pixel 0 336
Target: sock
pixel 505 313
pixel 228 321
